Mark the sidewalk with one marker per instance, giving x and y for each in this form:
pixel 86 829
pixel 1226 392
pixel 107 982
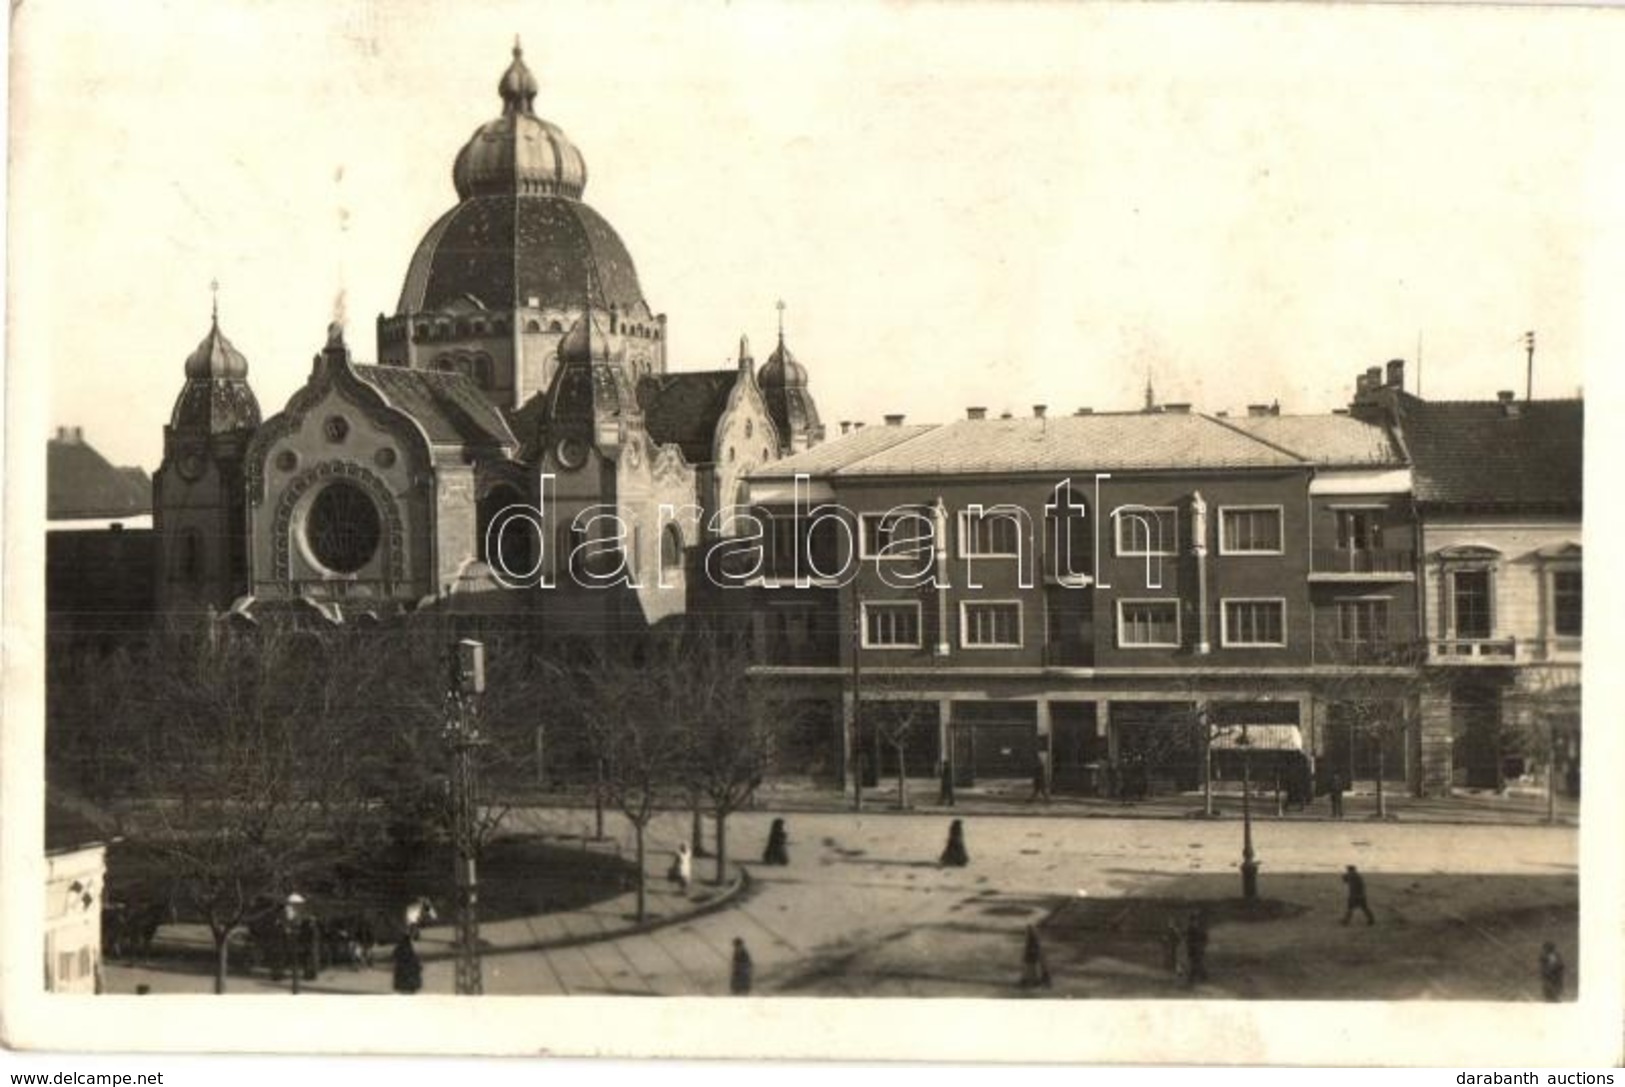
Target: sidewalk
pixel 183 954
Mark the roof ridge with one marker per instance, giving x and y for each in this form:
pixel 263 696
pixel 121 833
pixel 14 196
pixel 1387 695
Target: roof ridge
pixel 920 431
pixel 1226 424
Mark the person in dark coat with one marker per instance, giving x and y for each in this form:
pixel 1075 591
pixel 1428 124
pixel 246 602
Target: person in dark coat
pixel 1551 972
pixel 1034 971
pixel 1196 946
pixel 408 967
pixel 1173 948
pixel 954 854
pixel 945 796
pixel 1334 790
pixel 739 977
pixel 1356 900
pixel 777 842
pixel 1040 778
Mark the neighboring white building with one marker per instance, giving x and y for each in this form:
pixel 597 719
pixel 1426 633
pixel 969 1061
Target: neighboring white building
pixel 75 881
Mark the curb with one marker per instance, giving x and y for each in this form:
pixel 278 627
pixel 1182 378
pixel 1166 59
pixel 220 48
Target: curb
pixel 737 888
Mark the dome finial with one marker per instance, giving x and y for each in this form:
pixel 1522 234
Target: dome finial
pixel 780 306
pixel 517 86
pixel 214 302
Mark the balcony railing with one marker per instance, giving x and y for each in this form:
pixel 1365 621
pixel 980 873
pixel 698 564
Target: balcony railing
pixel 1069 655
pixel 1474 650
pixel 1370 562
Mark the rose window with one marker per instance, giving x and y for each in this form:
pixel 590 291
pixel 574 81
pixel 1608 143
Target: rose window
pixel 343 529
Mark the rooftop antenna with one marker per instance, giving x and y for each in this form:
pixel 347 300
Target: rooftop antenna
pixel 1150 397
pixel 1529 379
pixel 214 303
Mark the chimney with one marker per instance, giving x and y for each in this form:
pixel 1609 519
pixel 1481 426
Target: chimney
pixel 1177 409
pixel 894 420
pixel 857 426
pixel 1396 374
pixel 1505 396
pixel 975 414
pixel 1006 415
pixel 846 426
pixel 1255 411
pixel 1039 410
pixel 1084 411
pixel 1373 376
pixel 1510 408
pixel 1222 415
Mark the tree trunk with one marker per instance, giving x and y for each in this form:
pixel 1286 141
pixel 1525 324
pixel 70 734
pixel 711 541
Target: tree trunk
pixel 637 834
pixel 697 829
pixel 902 781
pixel 721 817
pixel 598 804
pixel 222 955
pixel 1382 797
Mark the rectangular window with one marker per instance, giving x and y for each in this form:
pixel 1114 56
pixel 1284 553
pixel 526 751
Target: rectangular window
pixel 1254 622
pixel 1148 623
pixel 1250 530
pixel 891 626
pixel 1362 622
pixel 1567 600
pixel 990 533
pixel 1359 530
pixel 1470 600
pixel 896 533
pixel 1143 530
pixel 990 625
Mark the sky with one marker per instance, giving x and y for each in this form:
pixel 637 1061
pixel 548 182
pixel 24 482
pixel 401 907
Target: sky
pixel 967 204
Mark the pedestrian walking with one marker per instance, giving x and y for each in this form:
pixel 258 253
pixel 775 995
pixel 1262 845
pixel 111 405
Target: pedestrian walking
pixel 1196 946
pixel 954 855
pixel 1173 939
pixel 1334 790
pixel 945 795
pixel 682 868
pixel 408 967
pixel 739 976
pixel 1356 900
pixel 777 851
pixel 1040 779
pixel 1551 973
pixel 1034 971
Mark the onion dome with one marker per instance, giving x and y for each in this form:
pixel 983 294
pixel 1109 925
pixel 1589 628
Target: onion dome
pixel 783 382
pixel 519 154
pixel 216 398
pixel 587 386
pixel 216 357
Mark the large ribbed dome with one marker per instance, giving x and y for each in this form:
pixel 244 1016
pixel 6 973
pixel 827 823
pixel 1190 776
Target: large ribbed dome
pixel 521 237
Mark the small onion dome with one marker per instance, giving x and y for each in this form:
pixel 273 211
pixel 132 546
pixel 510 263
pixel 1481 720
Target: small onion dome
pixel 578 343
pixel 781 369
pixel 519 154
pixel 216 357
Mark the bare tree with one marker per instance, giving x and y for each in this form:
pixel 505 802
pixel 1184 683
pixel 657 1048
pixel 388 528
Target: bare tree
pixel 627 710
pixel 729 736
pixel 898 712
pixel 1377 691
pixel 248 790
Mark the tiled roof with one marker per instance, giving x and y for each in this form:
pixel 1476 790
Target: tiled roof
pixel 684 409
pixel 80 483
pixel 71 822
pixel 1330 440
pixel 1115 442
pixel 1483 453
pixel 829 457
pixel 505 250
pixel 449 406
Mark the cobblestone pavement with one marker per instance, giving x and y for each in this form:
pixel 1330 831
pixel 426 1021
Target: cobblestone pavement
pixel 864 909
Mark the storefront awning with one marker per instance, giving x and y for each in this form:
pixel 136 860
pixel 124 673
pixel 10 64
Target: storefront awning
pixel 1260 738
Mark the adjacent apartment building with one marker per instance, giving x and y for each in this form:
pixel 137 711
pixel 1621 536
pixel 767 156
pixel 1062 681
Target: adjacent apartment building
pixel 1102 597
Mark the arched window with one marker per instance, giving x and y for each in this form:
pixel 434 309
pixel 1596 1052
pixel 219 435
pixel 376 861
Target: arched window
pixel 533 326
pixel 750 428
pixel 671 550
pixel 555 326
pixel 189 555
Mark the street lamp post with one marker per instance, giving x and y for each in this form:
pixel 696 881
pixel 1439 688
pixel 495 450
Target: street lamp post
pixel 1204 720
pixel 857 678
pixel 293 913
pixel 1249 865
pixel 462 740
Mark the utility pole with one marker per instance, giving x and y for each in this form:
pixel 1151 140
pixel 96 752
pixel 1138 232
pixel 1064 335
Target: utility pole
pixel 1249 862
pixel 1529 380
pixel 462 740
pixel 857 700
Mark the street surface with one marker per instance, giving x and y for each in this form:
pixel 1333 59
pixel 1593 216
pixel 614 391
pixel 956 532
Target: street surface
pixel 863 909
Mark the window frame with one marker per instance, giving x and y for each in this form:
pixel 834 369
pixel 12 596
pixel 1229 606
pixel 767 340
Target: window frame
pixel 1118 548
pixel 1352 601
pixel 1227 642
pixel 965 607
pixel 1280 529
pixel 1170 601
pixel 901 512
pixel 1377 522
pixel 919 624
pixel 1558 632
pixel 1489 602
pixel 967 533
